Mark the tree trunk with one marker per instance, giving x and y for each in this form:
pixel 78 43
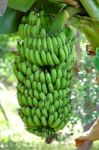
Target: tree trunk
pixel 88 144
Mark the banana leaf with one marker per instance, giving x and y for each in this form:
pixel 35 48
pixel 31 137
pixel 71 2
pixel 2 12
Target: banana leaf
pixel 21 5
pixel 9 21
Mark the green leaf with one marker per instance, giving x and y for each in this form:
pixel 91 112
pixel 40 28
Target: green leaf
pixel 97 2
pixel 96 62
pixel 90 27
pixel 10 21
pixel 22 5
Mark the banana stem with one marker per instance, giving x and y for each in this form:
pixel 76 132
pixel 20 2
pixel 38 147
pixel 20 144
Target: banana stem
pixel 92 8
pixel 59 21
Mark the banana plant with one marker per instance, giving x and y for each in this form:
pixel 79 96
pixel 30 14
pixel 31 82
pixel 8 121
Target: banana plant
pixel 44 61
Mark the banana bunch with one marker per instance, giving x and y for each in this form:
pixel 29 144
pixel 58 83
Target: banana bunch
pixel 43 67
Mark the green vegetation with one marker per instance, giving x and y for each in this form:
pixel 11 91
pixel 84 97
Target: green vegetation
pixel 45 95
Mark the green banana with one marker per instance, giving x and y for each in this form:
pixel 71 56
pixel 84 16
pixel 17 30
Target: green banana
pixel 50 98
pixel 58 84
pixel 30 122
pixel 26 121
pixel 56 104
pixel 38 58
pixel 63 37
pixel 64 73
pixel 55 45
pixel 29 31
pixel 61 126
pixel 39 44
pixel 63 83
pixel 42 77
pixel 37 75
pixel 27 53
pixel 55 59
pixel 18 60
pixel 55 115
pixel 29 42
pixel 38 22
pixel 43 57
pixel 28 84
pixel 25 29
pixel 31 92
pixel 32 78
pixel 55 94
pixel 34 44
pixel 33 31
pixel 65 111
pixel 29 71
pixel 35 102
pixel 53 75
pixel 36 94
pixel 41 104
pixel 39 86
pixel 47 105
pixel 44 112
pixel 15 70
pixel 20 30
pixel 20 76
pixel 51 87
pixel 36 120
pixel 44 44
pixel 51 109
pixel 50 120
pixel 34 85
pixel 30 101
pixel 49 44
pixel 25 42
pixel 22 51
pixel 34 68
pixel 66 51
pixel 60 102
pixel 19 96
pixel 22 89
pixel 56 123
pixel 23 110
pixel 43 120
pixel 42 96
pixel 43 33
pixel 38 113
pixel 32 17
pixel 60 44
pixel 60 93
pixel 28 111
pixel 44 88
pixel 59 73
pixel 24 67
pixel 49 59
pixel 61 55
pixel 48 77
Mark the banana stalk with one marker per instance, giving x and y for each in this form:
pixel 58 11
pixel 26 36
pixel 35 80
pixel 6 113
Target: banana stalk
pixel 59 21
pixel 92 8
